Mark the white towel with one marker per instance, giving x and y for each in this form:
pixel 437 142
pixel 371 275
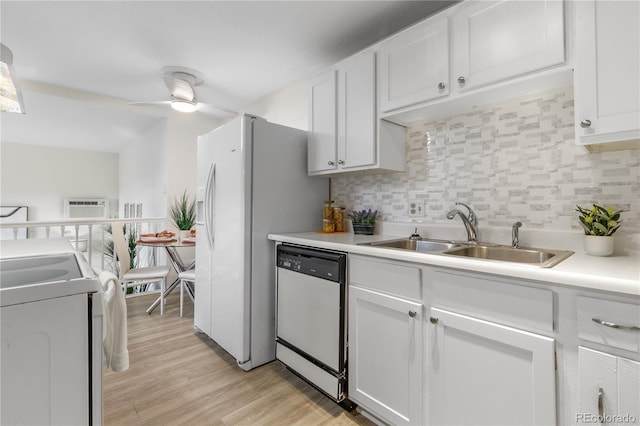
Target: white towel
pixel 114 323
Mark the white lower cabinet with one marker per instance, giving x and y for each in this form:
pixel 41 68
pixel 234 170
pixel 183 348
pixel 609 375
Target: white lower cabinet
pixel 385 355
pixel 609 388
pixel 483 373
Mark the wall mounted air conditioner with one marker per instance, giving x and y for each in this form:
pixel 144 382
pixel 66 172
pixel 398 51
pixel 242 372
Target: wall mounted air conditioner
pixel 86 208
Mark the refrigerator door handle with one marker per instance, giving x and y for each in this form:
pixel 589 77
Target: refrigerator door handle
pixel 209 201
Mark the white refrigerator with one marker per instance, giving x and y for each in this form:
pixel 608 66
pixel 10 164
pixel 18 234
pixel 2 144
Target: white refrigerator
pixel 252 181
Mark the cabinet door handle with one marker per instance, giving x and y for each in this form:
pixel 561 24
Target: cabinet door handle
pixel 614 325
pixel 600 403
pixel 412 314
pixel 433 320
pixel 585 123
pixel 441 86
pixel 462 80
pixel 341 162
pixel 331 163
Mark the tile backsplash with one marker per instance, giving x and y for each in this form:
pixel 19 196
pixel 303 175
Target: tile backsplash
pixel 515 161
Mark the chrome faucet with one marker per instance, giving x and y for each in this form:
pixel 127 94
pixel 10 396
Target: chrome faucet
pixel 470 222
pixel 471 216
pixel 515 238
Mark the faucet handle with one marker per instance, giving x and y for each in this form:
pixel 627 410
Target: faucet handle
pixel 471 216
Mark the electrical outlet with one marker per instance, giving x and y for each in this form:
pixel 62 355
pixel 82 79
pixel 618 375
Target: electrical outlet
pixel 415 208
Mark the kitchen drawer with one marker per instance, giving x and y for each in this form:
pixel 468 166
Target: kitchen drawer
pixel 610 312
pixel 503 302
pixel 389 277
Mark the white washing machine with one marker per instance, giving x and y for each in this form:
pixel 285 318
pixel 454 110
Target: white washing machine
pixel 51 332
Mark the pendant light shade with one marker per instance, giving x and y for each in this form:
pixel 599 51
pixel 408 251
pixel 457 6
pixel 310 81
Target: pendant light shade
pixel 10 94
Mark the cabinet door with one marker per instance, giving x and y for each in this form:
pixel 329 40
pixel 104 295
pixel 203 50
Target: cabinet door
pixel 385 355
pixel 607 87
pixel 45 362
pixel 357 112
pixel 497 40
pixel 322 123
pixel 609 388
pixel 414 66
pixel 500 375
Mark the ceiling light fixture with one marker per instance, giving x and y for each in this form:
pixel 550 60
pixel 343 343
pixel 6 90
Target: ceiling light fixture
pixel 183 105
pixel 10 94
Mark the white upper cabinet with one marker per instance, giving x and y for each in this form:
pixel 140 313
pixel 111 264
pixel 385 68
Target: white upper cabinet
pixel 323 114
pixel 498 40
pixel 474 53
pixel 344 133
pixel 357 112
pixel 607 86
pixel 414 65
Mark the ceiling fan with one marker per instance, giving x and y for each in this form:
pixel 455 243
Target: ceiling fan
pixel 181 82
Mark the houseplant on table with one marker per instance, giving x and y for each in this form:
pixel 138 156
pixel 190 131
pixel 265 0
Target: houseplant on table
pixel 363 221
pixel 599 225
pixel 183 214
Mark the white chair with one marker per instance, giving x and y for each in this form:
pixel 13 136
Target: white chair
pixel 188 276
pixel 132 277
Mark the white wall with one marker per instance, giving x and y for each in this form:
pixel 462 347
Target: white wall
pixel 182 137
pixel 143 172
pixel 287 106
pixel 41 178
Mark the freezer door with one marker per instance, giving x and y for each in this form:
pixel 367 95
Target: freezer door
pixel 204 195
pixel 230 300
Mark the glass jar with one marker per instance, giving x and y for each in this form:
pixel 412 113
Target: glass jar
pixel 338 218
pixel 327 211
pixel 328 225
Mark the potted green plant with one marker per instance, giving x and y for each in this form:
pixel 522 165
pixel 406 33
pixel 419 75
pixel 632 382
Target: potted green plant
pixel 363 221
pixel 183 214
pixel 599 225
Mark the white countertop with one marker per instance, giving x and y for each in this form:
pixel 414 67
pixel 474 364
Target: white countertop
pixel 619 273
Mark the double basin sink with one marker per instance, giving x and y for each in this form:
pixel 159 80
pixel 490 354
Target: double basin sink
pixel 543 258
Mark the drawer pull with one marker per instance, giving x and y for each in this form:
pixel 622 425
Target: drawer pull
pixel 433 320
pixel 614 325
pixel 600 403
pixel 412 314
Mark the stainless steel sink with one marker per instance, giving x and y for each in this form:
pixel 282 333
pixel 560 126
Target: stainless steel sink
pixel 544 258
pixel 415 245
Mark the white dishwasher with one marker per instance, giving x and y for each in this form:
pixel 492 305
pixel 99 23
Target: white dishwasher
pixel 51 329
pixel 311 329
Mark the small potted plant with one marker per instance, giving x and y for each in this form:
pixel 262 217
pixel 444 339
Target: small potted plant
pixel 599 225
pixel 183 214
pixel 363 221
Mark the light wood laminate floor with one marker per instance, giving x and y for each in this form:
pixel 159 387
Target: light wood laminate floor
pixel 180 377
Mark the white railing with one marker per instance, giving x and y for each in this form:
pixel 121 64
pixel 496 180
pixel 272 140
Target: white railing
pixel 88 236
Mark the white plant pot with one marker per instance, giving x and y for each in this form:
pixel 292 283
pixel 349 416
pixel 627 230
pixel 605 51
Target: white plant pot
pixel 183 234
pixel 598 246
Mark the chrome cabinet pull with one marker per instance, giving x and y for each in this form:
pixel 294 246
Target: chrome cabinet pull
pixel 600 403
pixel 441 86
pixel 433 320
pixel 585 123
pixel 341 162
pixel 462 80
pixel 412 314
pixel 614 325
pixel 331 163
